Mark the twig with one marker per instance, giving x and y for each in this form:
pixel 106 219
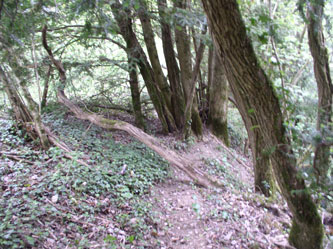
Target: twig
pixel 104 38
pixel 70 26
pixel 77 160
pixel 77 220
pixel 16 158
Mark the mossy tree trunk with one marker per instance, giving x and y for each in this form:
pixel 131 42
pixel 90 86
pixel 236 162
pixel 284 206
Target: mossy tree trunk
pixel 218 102
pixel 322 159
pixel 135 93
pixel 20 110
pixel 263 172
pixel 183 42
pixel 28 116
pixel 177 96
pixel 124 21
pixel 253 90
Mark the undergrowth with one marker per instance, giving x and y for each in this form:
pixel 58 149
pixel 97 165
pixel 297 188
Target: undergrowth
pixel 48 201
pixel 223 168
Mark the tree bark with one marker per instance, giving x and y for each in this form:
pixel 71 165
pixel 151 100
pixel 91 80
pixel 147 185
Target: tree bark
pixel 46 87
pixel 135 50
pixel 21 112
pixel 254 91
pixel 322 159
pixel 218 102
pixel 183 43
pixel 263 175
pixel 29 116
pixel 135 92
pixel 177 97
pixel 148 35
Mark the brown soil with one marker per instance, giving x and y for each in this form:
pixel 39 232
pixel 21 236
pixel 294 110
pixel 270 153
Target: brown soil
pixel 232 217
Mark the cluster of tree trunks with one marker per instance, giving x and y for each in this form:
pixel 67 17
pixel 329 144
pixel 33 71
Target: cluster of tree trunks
pixel 181 163
pixel 175 98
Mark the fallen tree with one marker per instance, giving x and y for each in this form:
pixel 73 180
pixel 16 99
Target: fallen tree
pixel 177 161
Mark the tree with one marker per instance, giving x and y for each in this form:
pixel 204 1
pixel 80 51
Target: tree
pixel 254 91
pixel 322 158
pixel 218 100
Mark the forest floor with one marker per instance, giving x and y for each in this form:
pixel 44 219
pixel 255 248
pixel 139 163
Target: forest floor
pixel 231 217
pixel 128 197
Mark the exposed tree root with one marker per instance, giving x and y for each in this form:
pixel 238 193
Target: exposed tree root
pixel 177 161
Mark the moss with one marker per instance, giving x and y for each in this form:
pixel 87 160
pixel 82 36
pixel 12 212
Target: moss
pixel 264 180
pixel 307 235
pixel 108 123
pixel 196 124
pixel 220 130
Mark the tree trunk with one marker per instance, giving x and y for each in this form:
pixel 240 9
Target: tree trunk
pixel 177 97
pixel 218 102
pixel 21 112
pixel 183 43
pixel 30 116
pixel 263 178
pixel 135 50
pixel 263 175
pixel 135 92
pixel 254 91
pixel 46 87
pixel 148 35
pixel 322 159
pixel 200 91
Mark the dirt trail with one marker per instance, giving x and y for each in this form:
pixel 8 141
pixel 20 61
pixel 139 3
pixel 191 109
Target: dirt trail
pixel 233 217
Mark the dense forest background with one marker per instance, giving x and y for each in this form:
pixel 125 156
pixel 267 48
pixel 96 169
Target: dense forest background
pixel 99 98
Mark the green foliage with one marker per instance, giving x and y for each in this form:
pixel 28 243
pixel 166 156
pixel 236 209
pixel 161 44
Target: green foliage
pixel 223 168
pixel 10 135
pixel 53 189
pixel 236 130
